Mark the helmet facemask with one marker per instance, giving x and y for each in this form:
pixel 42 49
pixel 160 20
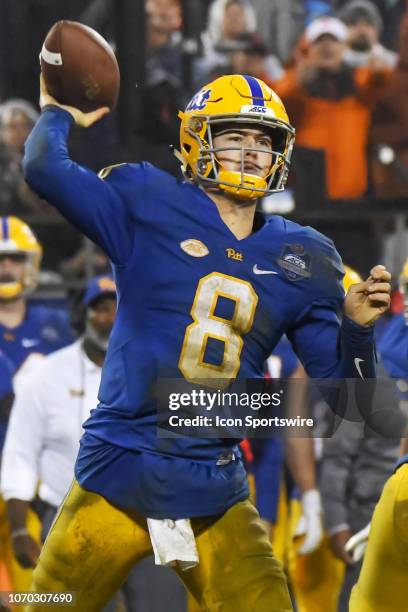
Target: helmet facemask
pixel 243 185
pixel 17 241
pixel 23 286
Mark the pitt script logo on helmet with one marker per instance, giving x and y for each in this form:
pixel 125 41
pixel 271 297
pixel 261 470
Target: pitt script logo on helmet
pixel 243 102
pixel 16 238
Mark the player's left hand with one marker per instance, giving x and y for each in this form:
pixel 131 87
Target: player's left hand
pixel 366 302
pixel 310 523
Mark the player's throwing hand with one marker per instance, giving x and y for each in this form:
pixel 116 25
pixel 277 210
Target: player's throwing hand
pixel 366 302
pixel 80 118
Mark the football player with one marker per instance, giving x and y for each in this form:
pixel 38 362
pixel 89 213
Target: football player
pixel 382 584
pixel 27 331
pixel 205 290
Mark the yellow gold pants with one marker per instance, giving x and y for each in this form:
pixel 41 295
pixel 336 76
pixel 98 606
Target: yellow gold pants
pixel 93 545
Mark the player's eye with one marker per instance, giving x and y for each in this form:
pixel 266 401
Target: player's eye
pixel 234 138
pixel 265 142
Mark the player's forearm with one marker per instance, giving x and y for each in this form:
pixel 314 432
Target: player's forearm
pixel 357 351
pixel 77 192
pixel 46 149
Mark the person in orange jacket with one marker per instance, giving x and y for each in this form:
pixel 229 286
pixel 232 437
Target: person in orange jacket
pixel 330 105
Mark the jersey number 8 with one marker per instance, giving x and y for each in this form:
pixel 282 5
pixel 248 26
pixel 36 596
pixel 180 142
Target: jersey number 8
pixel 206 324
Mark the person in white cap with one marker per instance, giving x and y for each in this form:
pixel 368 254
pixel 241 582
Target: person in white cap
pixel 330 105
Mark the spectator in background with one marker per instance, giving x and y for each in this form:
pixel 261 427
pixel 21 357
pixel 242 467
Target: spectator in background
pixel 330 104
pixel 364 23
pixel 17 118
pixel 389 130
pixel 163 93
pixel 280 24
pixel 163 22
pixel 228 21
pixel 391 12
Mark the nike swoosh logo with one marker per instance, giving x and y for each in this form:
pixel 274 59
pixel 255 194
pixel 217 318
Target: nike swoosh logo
pixel 256 270
pixel 357 362
pixel 27 343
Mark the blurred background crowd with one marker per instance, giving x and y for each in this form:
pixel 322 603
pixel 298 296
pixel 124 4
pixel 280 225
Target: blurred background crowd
pixel 341 69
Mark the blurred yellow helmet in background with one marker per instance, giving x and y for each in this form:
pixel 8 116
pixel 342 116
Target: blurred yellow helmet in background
pixel 239 101
pixel 17 238
pixel 351 277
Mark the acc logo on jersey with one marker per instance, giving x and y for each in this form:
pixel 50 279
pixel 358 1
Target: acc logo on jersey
pixel 194 247
pixel 295 263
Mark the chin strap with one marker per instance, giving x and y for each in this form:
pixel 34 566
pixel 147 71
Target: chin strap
pixel 179 158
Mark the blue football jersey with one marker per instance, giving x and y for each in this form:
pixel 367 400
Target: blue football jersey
pixel 42 331
pixel 193 302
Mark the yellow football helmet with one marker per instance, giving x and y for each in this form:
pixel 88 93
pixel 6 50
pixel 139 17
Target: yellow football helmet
pixel 242 101
pixel 351 277
pixel 17 238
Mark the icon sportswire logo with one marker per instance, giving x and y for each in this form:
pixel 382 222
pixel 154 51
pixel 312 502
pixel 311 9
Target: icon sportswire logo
pixel 257 270
pixel 357 362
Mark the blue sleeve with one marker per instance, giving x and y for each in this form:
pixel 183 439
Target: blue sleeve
pixel 93 205
pixel 328 349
